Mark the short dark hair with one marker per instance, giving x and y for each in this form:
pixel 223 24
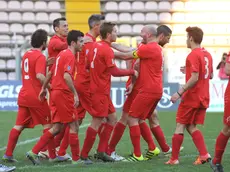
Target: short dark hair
pixel 73 35
pixel 106 27
pixel 196 33
pixel 38 38
pixel 95 18
pixel 164 29
pixel 56 22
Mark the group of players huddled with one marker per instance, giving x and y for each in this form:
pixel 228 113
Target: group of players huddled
pixel 77 78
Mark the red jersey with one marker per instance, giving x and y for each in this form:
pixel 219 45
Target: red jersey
pixel 227 91
pixel 151 68
pixel 65 63
pixel 81 58
pixel 56 45
pixel 33 62
pixel 101 59
pixel 199 60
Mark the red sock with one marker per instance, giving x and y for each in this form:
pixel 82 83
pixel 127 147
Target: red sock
pixel 159 135
pixel 51 148
pixel 88 142
pixel 45 148
pixel 177 141
pixel 135 135
pixel 100 129
pixel 106 134
pixel 147 135
pixel 44 140
pixel 58 138
pixel 13 139
pixel 117 134
pixel 75 146
pixel 65 143
pixel 198 140
pixel 221 143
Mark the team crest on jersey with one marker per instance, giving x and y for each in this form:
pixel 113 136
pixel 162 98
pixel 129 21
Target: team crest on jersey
pixel 69 68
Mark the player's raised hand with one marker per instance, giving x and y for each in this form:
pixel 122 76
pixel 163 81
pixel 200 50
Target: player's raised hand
pixel 76 101
pixel 182 69
pixel 129 89
pixel 42 95
pixel 175 97
pixel 50 61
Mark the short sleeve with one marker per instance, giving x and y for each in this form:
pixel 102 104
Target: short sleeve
pixel 193 60
pixel 144 52
pixel 69 65
pixel 109 58
pixel 40 66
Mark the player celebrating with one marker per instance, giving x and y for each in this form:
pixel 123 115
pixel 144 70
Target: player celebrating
pixel 149 88
pixel 101 68
pixel 194 97
pixel 31 111
pixel 222 139
pixel 82 78
pixel 165 32
pixel 64 98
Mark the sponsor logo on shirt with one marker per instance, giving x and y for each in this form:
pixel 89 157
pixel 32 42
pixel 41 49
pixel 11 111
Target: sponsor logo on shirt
pixel 69 68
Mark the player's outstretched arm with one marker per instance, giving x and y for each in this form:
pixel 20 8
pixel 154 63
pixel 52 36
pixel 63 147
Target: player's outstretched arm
pixel 123 56
pixel 191 82
pixel 45 81
pixel 69 82
pixel 116 72
pixel 58 45
pixel 40 77
pixel 121 48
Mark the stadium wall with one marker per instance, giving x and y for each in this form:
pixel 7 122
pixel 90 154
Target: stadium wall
pixel 9 93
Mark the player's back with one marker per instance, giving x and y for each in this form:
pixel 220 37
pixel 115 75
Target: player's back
pixel 65 62
pixel 33 62
pixel 202 63
pixel 101 59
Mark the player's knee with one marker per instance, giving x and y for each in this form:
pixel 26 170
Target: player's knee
pixel 112 119
pixel 153 121
pixel 19 127
pixel 191 129
pixel 80 121
pixel 226 130
pixel 179 128
pixel 56 129
pixel 133 121
pixel 124 118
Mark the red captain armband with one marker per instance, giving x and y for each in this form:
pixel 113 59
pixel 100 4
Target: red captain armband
pixel 135 54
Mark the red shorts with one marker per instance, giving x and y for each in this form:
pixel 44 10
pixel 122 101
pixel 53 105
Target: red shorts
pixel 62 110
pixel 226 118
pixel 190 115
pixel 144 104
pixel 85 100
pixel 129 100
pixel 102 105
pixel 32 116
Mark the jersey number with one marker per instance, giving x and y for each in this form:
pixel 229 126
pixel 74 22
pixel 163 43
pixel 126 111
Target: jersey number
pixel 206 68
pixel 94 56
pixel 26 68
pixel 56 66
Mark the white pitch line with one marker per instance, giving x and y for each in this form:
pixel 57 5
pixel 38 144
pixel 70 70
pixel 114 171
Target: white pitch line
pixel 35 139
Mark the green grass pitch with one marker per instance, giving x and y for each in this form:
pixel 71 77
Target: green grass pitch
pixel 211 129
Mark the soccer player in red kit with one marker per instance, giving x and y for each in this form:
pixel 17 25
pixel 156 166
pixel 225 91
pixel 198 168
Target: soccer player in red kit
pixel 102 66
pixel 150 87
pixel 82 81
pixel 132 89
pixel 64 98
pixel 194 97
pixel 31 111
pixel 56 44
pixel 223 137
pixel 82 78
